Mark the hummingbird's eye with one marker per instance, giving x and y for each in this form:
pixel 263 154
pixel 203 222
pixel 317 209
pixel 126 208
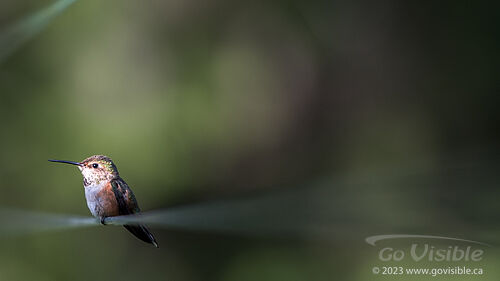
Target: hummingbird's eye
pixel 95 165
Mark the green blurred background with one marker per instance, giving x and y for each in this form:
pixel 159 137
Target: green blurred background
pixel 390 107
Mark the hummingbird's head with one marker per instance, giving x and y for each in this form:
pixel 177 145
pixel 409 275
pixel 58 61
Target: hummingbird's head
pixel 95 169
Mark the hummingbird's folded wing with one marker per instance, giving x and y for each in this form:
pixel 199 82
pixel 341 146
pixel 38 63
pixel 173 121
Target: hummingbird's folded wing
pixel 127 205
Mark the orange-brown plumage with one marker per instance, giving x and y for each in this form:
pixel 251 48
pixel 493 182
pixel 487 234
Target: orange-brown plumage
pixel 108 202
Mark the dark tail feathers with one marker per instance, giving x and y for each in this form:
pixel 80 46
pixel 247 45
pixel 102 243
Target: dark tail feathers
pixel 141 232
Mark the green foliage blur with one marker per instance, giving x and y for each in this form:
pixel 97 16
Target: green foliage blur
pixel 202 100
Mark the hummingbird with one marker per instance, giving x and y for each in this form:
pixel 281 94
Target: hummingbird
pixel 107 194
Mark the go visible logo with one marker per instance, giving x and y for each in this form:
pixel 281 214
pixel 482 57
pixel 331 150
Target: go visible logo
pixel 471 251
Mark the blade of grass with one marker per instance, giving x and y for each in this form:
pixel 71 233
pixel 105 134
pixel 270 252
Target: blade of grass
pixel 18 222
pixel 356 206
pixel 14 36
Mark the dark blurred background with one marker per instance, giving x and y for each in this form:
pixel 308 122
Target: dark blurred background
pixel 390 107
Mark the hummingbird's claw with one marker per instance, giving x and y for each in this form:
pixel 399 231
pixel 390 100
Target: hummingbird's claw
pixel 102 220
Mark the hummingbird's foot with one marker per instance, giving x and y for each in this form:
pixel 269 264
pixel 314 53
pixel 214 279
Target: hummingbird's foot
pixel 102 220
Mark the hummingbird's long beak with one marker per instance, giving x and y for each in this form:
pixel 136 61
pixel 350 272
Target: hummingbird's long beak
pixel 67 162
